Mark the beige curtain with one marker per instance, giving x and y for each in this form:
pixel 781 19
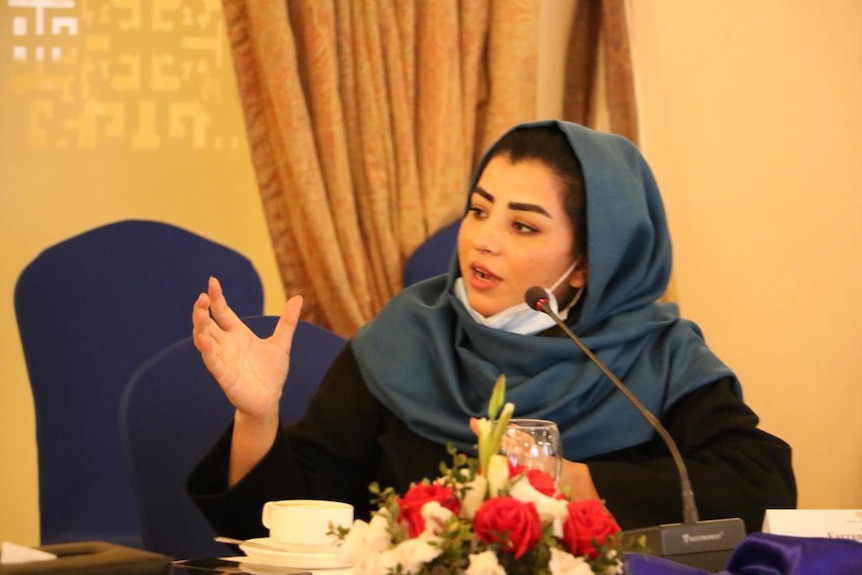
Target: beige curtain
pixel 365 118
pixel 599 28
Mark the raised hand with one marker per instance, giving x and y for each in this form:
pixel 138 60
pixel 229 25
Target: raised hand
pixel 250 370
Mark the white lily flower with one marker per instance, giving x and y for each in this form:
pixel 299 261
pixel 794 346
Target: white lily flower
pixel 435 516
pixel 352 548
pixel 550 509
pixel 377 563
pixel 474 496
pixel 414 553
pixel 367 565
pixel 497 474
pixel 564 563
pixel 378 537
pixel 484 563
pixel 557 527
pixel 616 568
pixel 365 539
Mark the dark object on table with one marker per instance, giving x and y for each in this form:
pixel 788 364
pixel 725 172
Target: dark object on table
pixel 94 558
pixel 703 544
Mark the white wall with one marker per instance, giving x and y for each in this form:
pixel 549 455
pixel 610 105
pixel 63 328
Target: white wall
pixel 750 114
pixel 749 120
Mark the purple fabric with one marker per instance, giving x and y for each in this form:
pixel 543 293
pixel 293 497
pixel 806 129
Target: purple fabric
pixel 765 554
pixel 638 564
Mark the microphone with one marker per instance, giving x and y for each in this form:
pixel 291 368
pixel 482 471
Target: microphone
pixel 703 544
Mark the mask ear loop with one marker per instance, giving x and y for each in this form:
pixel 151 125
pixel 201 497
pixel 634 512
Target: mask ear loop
pixel 564 313
pixel 565 275
pixel 574 301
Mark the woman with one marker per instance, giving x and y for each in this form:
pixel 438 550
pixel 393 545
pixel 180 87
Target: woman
pixel 552 204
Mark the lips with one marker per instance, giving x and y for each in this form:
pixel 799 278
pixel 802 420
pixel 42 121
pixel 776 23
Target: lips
pixel 482 278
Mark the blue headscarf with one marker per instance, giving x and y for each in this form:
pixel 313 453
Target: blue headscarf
pixel 428 361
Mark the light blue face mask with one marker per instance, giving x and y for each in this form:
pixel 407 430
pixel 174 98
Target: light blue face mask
pixel 521 318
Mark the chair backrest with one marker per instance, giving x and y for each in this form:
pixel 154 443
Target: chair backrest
pixel 173 411
pixel 90 309
pixel 433 256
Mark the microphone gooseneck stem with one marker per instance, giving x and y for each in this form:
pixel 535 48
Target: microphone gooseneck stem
pixel 689 509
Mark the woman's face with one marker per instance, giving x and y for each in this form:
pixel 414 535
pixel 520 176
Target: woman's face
pixel 516 235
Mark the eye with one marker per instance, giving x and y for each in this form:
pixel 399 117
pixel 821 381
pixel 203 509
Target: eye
pixel 476 212
pixel 523 228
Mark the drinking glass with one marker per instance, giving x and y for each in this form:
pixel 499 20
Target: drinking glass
pixel 534 444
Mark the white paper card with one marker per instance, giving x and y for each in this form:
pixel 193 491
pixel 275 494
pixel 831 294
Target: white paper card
pixel 10 554
pixel 831 523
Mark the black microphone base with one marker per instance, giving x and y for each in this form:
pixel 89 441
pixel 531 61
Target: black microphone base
pixel 705 544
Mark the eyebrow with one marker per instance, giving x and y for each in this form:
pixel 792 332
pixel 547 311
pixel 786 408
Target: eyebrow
pixel 520 206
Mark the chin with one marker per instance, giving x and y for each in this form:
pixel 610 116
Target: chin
pixel 477 306
pixel 483 307
pixel 485 303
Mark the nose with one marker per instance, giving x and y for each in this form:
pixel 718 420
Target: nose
pixel 486 238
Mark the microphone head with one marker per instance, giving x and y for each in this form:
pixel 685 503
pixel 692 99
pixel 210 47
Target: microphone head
pixel 536 297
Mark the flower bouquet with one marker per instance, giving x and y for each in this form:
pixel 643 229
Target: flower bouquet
pixel 483 517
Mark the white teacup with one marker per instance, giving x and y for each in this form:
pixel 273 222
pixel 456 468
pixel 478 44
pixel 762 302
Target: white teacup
pixel 301 525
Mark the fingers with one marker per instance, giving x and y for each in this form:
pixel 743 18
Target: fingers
pixel 474 425
pixel 221 311
pixel 200 311
pixel 205 334
pixel 284 330
pixel 205 331
pixel 200 319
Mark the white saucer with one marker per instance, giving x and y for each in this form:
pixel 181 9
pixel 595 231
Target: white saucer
pixel 255 569
pixel 288 559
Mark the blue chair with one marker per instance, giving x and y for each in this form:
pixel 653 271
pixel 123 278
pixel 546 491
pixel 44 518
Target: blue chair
pixel 90 309
pixel 173 411
pixel 432 257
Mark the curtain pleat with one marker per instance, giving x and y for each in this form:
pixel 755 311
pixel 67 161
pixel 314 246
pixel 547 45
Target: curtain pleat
pixel 600 27
pixel 512 74
pixel 582 63
pixel 619 77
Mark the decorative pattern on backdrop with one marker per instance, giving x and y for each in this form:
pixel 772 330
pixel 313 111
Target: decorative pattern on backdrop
pixel 134 75
pixel 365 119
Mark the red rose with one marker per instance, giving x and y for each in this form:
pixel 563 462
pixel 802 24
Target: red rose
pixel 514 525
pixel 588 520
pixel 417 496
pixel 515 470
pixel 540 480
